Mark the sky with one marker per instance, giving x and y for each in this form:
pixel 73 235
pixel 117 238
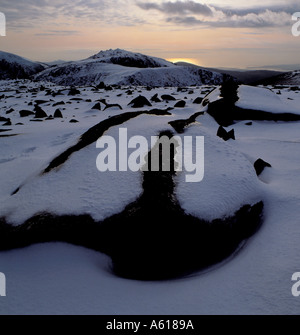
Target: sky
pixel 211 33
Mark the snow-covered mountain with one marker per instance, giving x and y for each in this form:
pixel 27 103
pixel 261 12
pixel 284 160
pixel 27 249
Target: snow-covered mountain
pixel 288 78
pixel 122 67
pixel 16 67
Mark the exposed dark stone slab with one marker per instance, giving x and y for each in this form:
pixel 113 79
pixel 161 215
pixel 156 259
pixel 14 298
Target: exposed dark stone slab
pixel 152 238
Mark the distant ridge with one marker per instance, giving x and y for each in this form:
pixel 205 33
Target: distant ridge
pixel 16 67
pixel 247 77
pixel 288 78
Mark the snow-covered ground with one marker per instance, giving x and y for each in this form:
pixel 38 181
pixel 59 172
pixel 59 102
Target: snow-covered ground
pixel 57 278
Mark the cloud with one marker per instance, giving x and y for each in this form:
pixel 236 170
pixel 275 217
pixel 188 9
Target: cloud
pixel 22 14
pixel 263 20
pixel 191 13
pixel 178 7
pixel 59 33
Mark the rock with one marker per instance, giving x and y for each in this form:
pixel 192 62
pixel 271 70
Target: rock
pixel 248 124
pixel 3 119
pixel 231 134
pixel 222 133
pixel 260 165
pixel 39 112
pixel 73 91
pixel 100 86
pixel 168 97
pixel 54 94
pixel 10 111
pixel 97 106
pixel 180 104
pixel 40 102
pixel 24 113
pixel 139 102
pixel 205 102
pixel 58 114
pixel 155 98
pixel 8 123
pixel 58 103
pixel 198 101
pixel 73 121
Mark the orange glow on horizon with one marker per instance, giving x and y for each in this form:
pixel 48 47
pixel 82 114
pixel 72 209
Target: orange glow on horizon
pixel 185 60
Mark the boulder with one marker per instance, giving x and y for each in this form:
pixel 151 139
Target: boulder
pixel 167 97
pixel 58 114
pixel 180 104
pixel 24 113
pixel 260 165
pixel 198 101
pixel 155 98
pixel 222 133
pixel 139 102
pixel 39 112
pixel 97 106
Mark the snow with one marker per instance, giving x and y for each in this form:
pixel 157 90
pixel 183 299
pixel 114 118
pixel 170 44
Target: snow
pixel 120 53
pixel 11 58
pixel 229 178
pixel 100 68
pixel 57 278
pixel 262 99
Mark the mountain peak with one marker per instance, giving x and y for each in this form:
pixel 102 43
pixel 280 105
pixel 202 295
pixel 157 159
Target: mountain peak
pixel 129 59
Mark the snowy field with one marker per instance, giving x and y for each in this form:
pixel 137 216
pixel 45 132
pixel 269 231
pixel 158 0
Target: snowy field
pixel 59 278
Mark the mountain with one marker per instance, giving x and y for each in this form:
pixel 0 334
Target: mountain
pixel 247 77
pixel 288 78
pixel 16 67
pixel 121 67
pixel 56 62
